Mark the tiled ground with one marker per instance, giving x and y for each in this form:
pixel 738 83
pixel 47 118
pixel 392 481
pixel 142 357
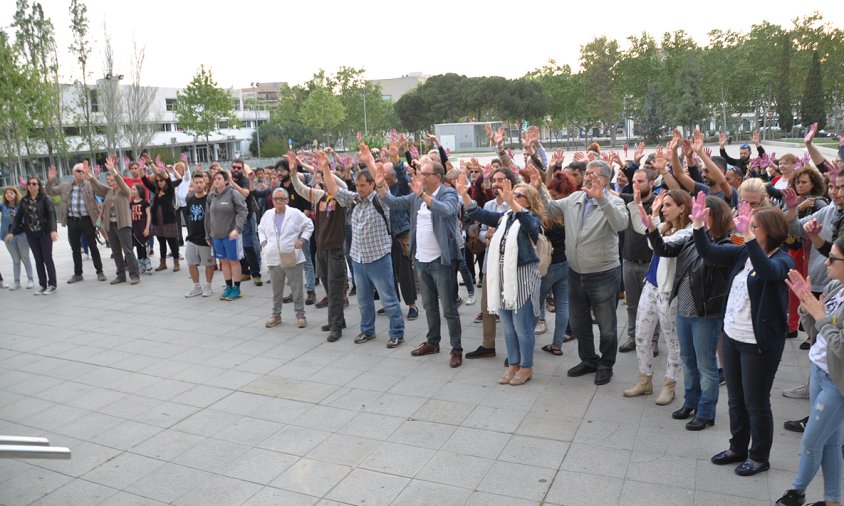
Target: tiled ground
pixel 164 399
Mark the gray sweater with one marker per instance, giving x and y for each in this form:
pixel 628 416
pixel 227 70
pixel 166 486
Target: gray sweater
pixel 832 328
pixel 226 212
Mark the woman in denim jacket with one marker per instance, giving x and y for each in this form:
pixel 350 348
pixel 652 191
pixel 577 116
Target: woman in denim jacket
pixel 512 271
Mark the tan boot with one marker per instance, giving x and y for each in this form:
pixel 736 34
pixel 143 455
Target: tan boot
pixel 176 265
pixel 666 395
pixel 162 266
pixel 644 386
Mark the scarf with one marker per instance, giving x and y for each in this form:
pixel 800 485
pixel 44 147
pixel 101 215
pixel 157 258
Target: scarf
pixel 494 291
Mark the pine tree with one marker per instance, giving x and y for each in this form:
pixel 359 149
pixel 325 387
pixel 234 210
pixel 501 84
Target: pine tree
pixel 813 107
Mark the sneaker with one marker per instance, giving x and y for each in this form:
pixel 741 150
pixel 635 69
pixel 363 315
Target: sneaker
pixel 75 279
pixel 629 345
pixel 551 305
pixel 412 313
pixel 134 281
pixel 234 293
pixel 29 284
pixel 273 321
pixel 497 319
pixel 206 291
pixel 194 292
pixel 301 322
pixel 459 301
pixel 40 291
pixel 394 342
pixel 225 294
pixel 310 300
pixel 381 311
pixel 796 425
pixel 362 338
pixel 324 303
pixel 792 334
pixel 257 281
pixel 479 318
pixel 792 498
pixel 541 327
pixel 117 281
pixel 470 300
pixel 14 286
pixel 288 299
pixel 353 291
pixel 50 290
pixel 101 277
pixel 722 380
pixel 798 392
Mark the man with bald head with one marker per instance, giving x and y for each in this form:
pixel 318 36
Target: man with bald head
pixel 78 212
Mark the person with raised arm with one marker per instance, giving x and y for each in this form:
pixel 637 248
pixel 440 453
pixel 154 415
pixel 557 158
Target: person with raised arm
pixel 116 220
pixel 370 250
pixel 164 226
pixel 817 158
pixel 755 324
pixel 434 212
pixel 513 278
pixel 78 212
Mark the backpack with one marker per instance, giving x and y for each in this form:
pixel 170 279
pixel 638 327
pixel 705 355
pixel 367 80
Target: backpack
pixel 473 239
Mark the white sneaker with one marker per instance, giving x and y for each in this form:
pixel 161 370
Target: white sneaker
pixel 15 286
pixel 798 392
pixel 206 291
pixel 541 328
pixel 40 291
pixel 469 300
pixel 195 291
pixel 29 284
pixel 3 284
pixel 50 290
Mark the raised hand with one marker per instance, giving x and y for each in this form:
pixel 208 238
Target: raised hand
pixel 416 185
pixel 700 213
pixel 292 161
pixel 185 157
pixel 789 196
pixel 756 137
pixel 639 153
pixel 800 286
pixel 687 148
pixel 637 195
pixel 643 215
pixel 660 163
pixel 378 175
pixel 433 139
pixel 461 185
pixel 498 137
pixel 488 132
pixel 52 172
pixel 708 152
pixel 697 145
pixel 764 161
pixel 506 191
pixel 813 130
pixel 742 221
pixel 812 227
pixel 579 157
pixel 833 172
pixel 722 140
pixel 533 176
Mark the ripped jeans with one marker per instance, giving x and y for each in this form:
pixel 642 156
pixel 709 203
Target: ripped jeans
pixel 821 442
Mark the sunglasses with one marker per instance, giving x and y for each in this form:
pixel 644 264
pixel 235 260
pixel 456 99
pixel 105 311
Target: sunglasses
pixel 33 183
pixel 517 194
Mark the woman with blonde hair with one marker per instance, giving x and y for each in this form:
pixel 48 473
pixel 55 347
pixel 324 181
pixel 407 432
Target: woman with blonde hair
pixel 513 279
pixel 17 245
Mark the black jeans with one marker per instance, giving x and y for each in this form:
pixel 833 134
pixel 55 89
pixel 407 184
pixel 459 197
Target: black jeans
pixel 42 250
pixel 76 228
pixel 750 374
pixel 403 270
pixel 331 268
pixel 594 293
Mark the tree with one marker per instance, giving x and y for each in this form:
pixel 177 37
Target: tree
pixel 689 108
pixel 322 111
pixel 110 99
pixel 202 106
pixel 784 105
pixel 813 106
pixel 653 118
pixel 16 99
pixel 412 110
pixel 598 59
pixel 275 138
pixel 82 49
pixel 140 112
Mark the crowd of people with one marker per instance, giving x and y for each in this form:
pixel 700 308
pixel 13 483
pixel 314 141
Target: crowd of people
pixel 721 258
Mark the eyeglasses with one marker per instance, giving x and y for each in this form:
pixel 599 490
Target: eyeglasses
pixel 754 205
pixel 33 183
pixel 832 259
pixel 78 171
pixel 517 195
pixel 427 173
pixel 280 199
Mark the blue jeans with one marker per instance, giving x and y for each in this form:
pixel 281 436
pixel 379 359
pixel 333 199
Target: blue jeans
pixel 19 250
pixel 821 443
pixel 556 281
pixel 466 273
pixel 378 275
pixel 750 376
pixel 598 293
pixel 438 283
pixel 698 342
pixel 518 334
pixel 310 282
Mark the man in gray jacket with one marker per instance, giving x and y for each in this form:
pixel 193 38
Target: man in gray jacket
pixel 434 210
pixel 593 218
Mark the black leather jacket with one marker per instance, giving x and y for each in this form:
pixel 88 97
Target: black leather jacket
pixel 710 283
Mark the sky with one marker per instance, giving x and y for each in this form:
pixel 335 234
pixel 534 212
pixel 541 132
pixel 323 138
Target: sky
pixel 262 41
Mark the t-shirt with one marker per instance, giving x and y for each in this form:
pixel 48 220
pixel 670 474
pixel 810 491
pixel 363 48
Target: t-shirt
pixel 738 320
pixel 279 221
pixel 817 354
pixel 330 224
pixel 139 211
pixel 197 210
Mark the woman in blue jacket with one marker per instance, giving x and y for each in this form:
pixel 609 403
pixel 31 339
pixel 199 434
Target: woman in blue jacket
pixel 755 324
pixel 513 278
pixel 17 245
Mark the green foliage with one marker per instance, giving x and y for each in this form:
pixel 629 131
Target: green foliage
pixel 274 138
pixel 322 110
pixel 813 106
pixel 202 106
pixel 653 116
pixel 784 103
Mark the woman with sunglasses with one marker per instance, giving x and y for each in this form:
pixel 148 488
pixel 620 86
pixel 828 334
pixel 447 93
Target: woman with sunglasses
pixel 165 226
pixel 824 321
pixel 17 246
pixel 512 274
pixel 38 216
pixel 755 325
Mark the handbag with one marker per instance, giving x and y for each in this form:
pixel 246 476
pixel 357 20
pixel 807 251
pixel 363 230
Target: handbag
pixel 544 250
pixel 288 259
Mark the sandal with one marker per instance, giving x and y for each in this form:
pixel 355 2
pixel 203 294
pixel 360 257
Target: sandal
pixel 550 349
pixel 805 345
pixel 568 338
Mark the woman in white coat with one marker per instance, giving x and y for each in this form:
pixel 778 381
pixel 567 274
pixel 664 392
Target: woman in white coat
pixel 282 231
